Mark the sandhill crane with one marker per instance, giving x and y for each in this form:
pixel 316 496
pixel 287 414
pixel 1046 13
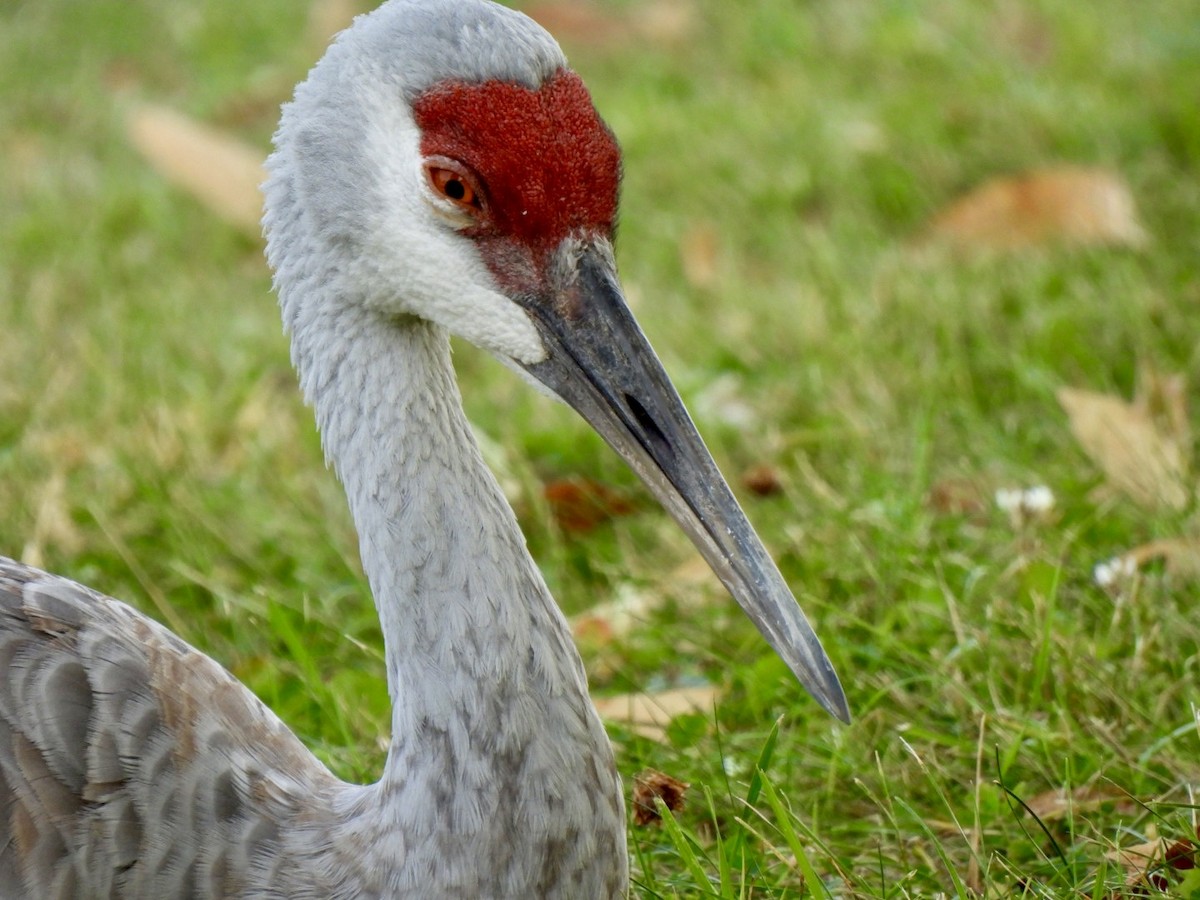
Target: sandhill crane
pixel 440 171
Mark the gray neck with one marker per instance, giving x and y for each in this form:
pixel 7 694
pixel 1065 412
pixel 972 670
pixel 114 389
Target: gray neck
pixel 469 626
pixel 495 748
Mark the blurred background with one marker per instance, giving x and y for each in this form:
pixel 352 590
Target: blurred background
pixel 926 274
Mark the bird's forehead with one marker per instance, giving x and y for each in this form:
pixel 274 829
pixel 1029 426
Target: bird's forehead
pixel 550 166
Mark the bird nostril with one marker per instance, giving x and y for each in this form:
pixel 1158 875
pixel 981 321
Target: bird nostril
pixel 653 434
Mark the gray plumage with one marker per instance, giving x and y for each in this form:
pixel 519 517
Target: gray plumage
pixel 133 766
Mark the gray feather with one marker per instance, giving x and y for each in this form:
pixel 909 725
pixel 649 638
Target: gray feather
pixel 466 40
pixel 121 776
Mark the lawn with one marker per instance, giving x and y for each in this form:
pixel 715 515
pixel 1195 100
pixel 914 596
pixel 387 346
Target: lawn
pixel 1016 721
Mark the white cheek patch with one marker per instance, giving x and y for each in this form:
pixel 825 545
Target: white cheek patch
pixel 462 303
pixel 421 266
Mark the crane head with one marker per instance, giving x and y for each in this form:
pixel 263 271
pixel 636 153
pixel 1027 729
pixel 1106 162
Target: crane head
pixel 450 166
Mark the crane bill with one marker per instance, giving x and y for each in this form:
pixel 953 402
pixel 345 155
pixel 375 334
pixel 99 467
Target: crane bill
pixel 599 362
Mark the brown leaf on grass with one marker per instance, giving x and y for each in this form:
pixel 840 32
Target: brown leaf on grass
pixel 650 714
pixel 763 480
pixel 1181 556
pixel 1138 857
pixel 1057 803
pixel 1163 398
pixel 580 504
pixel 1181 855
pixel 651 784
pixel 1141 862
pixel 956 497
pixel 220 171
pixel 1065 204
pixel 1147 864
pixel 1123 439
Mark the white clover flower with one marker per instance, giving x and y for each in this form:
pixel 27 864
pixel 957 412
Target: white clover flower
pixel 1114 571
pixel 1026 504
pixel 1008 499
pixel 1038 500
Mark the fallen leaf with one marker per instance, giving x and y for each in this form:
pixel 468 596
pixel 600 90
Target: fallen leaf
pixel 1181 855
pixel 220 171
pixel 650 714
pixel 763 480
pixel 1065 204
pixel 956 497
pixel 1144 864
pixel 1138 858
pixel 1057 803
pixel 1163 398
pixel 1123 440
pixel 1181 556
pixel 580 504
pixel 651 784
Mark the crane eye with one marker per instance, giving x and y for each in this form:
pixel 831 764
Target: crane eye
pixel 454 183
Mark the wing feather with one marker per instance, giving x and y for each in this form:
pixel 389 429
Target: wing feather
pixel 131 764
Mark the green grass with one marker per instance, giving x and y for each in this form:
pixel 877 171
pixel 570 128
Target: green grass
pixel 152 443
